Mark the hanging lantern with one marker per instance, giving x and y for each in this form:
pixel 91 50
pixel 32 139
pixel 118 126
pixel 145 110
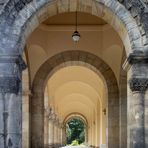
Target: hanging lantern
pixel 76 35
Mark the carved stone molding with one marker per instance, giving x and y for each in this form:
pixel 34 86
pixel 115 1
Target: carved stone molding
pixel 14 59
pixel 138 57
pixel 52 116
pixel 135 58
pixel 47 112
pixel 138 84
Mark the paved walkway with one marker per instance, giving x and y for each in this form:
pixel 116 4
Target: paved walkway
pixel 75 147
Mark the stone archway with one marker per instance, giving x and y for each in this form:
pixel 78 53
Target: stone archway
pixel 26 16
pixel 77 58
pixel 21 17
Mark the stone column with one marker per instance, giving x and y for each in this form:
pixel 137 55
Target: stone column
pixel 11 101
pixel 25 119
pixel 46 124
pixel 26 93
pixel 46 116
pixel 60 134
pixel 51 131
pixel 86 135
pixel 63 135
pixel 56 132
pixel 138 84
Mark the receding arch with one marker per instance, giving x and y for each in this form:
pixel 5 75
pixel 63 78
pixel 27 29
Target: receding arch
pixel 76 58
pixel 80 117
pixel 31 15
pixel 77 116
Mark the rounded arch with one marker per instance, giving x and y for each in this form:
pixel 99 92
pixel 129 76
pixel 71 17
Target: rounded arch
pixel 74 58
pixel 28 15
pixel 76 116
pixel 80 117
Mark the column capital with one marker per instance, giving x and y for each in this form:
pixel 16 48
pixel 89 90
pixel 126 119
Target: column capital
pixel 57 121
pixel 47 112
pixel 138 84
pixel 52 116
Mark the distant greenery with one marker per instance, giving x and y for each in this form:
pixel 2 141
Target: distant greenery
pixel 75 132
pixel 74 143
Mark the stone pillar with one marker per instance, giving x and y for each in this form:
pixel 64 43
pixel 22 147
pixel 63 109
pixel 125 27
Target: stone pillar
pixel 63 135
pixel 138 84
pixel 51 132
pixel 86 135
pixel 46 116
pixel 55 121
pixel 11 101
pixel 46 124
pixel 25 124
pixel 26 93
pixel 60 135
pixel 61 143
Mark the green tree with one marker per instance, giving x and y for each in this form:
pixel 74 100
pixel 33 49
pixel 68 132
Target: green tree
pixel 75 131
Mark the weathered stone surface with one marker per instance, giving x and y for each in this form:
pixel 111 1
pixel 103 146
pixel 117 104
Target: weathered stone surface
pixel 138 8
pixel 10 94
pixel 11 69
pixel 138 84
pixel 11 116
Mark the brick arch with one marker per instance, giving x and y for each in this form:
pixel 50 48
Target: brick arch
pixel 22 17
pixel 59 61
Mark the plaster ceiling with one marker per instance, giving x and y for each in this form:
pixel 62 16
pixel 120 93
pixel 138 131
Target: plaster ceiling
pixel 75 89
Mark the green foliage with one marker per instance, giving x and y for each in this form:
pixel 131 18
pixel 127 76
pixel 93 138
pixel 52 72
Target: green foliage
pixel 75 131
pixel 74 143
pixel 82 137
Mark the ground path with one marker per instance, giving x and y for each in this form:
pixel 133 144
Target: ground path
pixel 76 147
